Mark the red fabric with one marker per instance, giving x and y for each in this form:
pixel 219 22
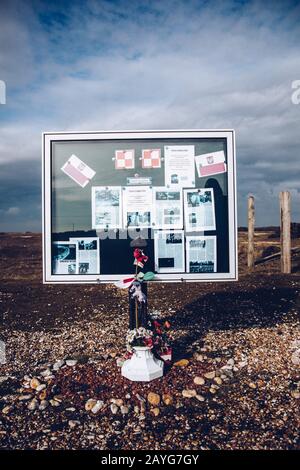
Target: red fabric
pixel 128 279
pixel 139 257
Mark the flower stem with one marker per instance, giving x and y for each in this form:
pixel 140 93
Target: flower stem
pixel 136 302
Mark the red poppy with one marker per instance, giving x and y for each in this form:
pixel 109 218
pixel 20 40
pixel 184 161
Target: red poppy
pixel 139 257
pixel 148 342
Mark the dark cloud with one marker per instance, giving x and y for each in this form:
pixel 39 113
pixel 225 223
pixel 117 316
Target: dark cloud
pixel 106 65
pixel 20 196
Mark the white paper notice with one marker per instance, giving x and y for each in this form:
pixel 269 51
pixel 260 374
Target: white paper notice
pixel 199 209
pixel 168 211
pixel 201 254
pixel 78 171
pixel 65 257
pixel 169 251
pixel 210 163
pixel 106 207
pixel 179 165
pixel 88 255
pixel 137 206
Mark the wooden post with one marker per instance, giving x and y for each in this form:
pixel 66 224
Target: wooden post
pixel 251 224
pixel 285 231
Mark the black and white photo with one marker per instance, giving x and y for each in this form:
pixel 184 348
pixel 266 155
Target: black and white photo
pixel 65 257
pixel 168 210
pixel 106 207
pixel 88 255
pixel 201 252
pixel 199 209
pixel 169 251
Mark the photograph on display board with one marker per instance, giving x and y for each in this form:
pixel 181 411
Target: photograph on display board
pixel 199 209
pixel 179 165
pixel 65 257
pixel 106 207
pixel 209 164
pixel 88 255
pixel 137 207
pixel 167 208
pixel 201 254
pixel 169 251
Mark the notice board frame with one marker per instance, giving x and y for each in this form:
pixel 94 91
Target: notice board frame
pixel 49 137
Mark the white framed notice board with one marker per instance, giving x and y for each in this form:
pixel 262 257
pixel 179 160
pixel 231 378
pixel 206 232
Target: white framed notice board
pixel 174 192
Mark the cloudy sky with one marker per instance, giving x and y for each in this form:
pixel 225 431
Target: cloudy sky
pixel 100 65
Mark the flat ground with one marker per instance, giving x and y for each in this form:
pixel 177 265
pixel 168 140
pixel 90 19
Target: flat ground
pixel 250 326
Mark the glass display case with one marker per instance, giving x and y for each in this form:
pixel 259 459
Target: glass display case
pixel 171 192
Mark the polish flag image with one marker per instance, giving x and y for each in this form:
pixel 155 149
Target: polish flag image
pixel 210 163
pixel 151 158
pixel 124 159
pixel 124 283
pixel 78 171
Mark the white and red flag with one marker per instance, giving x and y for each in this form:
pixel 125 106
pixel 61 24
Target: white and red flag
pixel 124 283
pixel 124 159
pixel 210 163
pixel 78 171
pixel 151 158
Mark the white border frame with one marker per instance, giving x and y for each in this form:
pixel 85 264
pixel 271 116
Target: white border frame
pixel 48 137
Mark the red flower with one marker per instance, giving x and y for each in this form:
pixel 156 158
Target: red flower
pixel 148 342
pixel 139 257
